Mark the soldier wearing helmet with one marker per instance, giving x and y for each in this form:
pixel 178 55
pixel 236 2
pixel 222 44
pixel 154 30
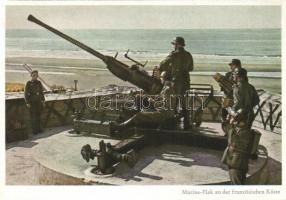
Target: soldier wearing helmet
pixel 235 64
pixel 240 117
pixel 178 64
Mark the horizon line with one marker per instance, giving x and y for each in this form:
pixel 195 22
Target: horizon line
pixel 145 28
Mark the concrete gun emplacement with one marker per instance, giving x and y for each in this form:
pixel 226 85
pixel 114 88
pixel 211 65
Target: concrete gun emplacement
pixel 151 85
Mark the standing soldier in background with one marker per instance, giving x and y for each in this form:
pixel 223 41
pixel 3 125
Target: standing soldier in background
pixel 178 64
pixel 235 63
pixel 35 100
pixel 240 117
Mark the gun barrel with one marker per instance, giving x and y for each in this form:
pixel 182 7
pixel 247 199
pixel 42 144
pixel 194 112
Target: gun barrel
pixel 66 37
pixel 142 80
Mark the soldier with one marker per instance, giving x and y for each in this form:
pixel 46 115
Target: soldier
pixel 241 116
pixel 35 99
pixel 163 112
pixel 235 63
pixel 178 64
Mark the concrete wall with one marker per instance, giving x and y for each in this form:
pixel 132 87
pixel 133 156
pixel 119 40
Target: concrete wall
pixel 60 107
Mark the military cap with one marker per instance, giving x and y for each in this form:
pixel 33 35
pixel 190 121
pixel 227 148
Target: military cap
pixel 235 62
pixel 34 71
pixel 179 40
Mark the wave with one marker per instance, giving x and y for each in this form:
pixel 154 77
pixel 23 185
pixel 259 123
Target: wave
pixel 57 67
pixel 249 55
pixel 42 72
pixel 249 74
pixel 260 74
pixel 80 54
pixel 151 43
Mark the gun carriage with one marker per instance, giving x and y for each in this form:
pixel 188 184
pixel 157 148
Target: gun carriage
pixel 134 139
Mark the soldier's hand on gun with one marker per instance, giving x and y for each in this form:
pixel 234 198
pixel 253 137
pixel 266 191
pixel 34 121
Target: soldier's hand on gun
pixel 28 105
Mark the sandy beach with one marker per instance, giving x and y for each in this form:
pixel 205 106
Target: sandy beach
pixel 91 73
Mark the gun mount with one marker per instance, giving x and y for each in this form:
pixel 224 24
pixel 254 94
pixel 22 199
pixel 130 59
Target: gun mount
pixel 149 84
pixel 107 157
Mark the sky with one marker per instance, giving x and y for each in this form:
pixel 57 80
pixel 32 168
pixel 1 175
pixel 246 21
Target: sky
pixel 145 17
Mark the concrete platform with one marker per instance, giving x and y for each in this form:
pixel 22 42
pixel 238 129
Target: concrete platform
pixel 60 162
pixel 23 169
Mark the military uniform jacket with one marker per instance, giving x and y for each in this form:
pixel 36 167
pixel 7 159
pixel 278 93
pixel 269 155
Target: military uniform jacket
pixel 236 154
pixel 244 97
pixel 34 92
pixel 239 138
pixel 178 64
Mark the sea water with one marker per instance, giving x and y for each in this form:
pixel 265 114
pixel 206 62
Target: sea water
pixel 254 44
pixel 208 46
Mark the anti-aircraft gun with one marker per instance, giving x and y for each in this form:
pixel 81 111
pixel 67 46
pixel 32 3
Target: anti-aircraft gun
pixel 141 79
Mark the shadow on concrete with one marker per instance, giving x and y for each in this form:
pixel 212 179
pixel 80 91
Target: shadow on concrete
pixel 172 153
pixel 186 157
pixel 32 141
pixel 275 172
pixel 136 174
pixel 198 156
pixel 208 130
pixel 25 144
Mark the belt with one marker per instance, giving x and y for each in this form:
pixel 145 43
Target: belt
pixel 233 148
pixel 37 93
